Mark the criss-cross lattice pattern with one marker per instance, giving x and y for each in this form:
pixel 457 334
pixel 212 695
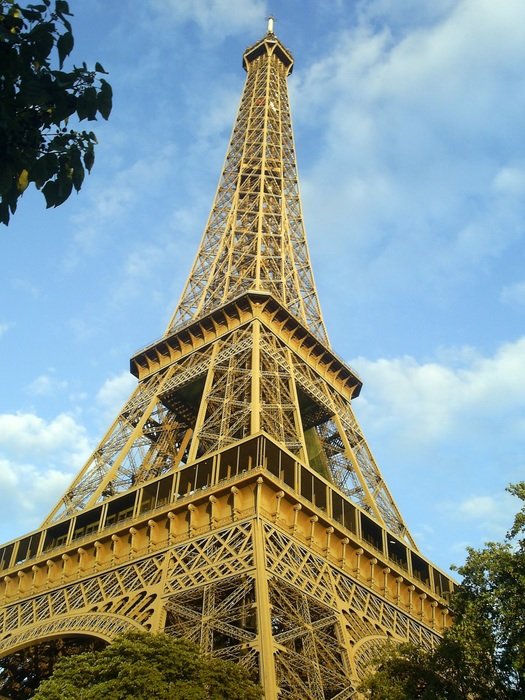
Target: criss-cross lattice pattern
pixel 308 571
pixel 254 238
pixel 248 380
pixel 220 617
pixel 225 553
pixel 325 625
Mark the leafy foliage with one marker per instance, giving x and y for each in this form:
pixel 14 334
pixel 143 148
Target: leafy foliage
pixel 22 672
pixel 482 657
pixel 143 666
pixel 36 102
pixel 409 672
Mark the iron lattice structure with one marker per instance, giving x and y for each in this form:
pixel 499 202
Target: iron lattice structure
pixel 234 500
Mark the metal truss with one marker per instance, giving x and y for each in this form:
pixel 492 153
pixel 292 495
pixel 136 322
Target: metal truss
pixel 274 596
pixel 248 381
pixel 234 500
pixel 254 238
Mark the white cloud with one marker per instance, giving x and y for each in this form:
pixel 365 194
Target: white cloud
pixel 422 137
pixel 481 507
pixel 27 494
pixel 514 293
pixel 30 487
pixel 4 327
pixel 510 180
pixel 403 13
pixel 46 385
pixel 62 438
pixel 38 459
pixel 422 401
pixel 215 17
pixel 115 391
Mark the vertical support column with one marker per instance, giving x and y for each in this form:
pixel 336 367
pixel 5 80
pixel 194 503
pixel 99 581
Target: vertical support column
pixel 264 609
pixel 157 620
pixel 208 608
pixel 303 454
pixel 201 415
pixel 255 418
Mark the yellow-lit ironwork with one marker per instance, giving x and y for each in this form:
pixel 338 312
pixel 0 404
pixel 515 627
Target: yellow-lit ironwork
pixel 234 500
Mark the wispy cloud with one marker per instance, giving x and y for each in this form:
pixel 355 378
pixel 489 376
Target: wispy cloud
pixel 427 401
pixel 486 517
pixel 421 127
pixel 4 327
pixel 218 18
pixel 47 385
pixel 116 196
pixel 115 391
pixel 514 293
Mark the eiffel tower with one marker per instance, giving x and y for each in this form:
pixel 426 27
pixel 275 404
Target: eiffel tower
pixel 234 500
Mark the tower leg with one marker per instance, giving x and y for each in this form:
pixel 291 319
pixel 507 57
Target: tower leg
pixel 264 617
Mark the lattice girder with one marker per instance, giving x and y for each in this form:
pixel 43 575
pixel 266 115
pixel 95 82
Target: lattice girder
pixel 254 238
pixel 245 381
pixel 250 368
pixel 222 565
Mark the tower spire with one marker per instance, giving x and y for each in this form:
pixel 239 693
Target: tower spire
pixel 254 238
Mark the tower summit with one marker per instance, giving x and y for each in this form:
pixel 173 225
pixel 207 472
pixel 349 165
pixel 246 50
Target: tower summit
pixel 254 239
pixel 234 500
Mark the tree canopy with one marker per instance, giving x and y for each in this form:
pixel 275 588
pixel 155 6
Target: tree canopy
pixel 482 656
pixel 22 672
pixel 38 97
pixel 144 666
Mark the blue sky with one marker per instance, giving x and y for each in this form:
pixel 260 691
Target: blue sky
pixel 409 126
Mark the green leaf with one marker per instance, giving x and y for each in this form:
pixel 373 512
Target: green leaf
pixel 63 79
pixel 7 175
pixel 43 40
pixel 87 104
pixel 143 665
pixel 64 188
pixel 34 91
pixel 65 45
pixel 50 192
pixel 62 8
pixel 30 14
pixel 44 168
pixel 105 99
pixel 89 158
pixel 37 103
pixel 4 212
pixel 65 106
pixel 77 174
pixel 78 177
